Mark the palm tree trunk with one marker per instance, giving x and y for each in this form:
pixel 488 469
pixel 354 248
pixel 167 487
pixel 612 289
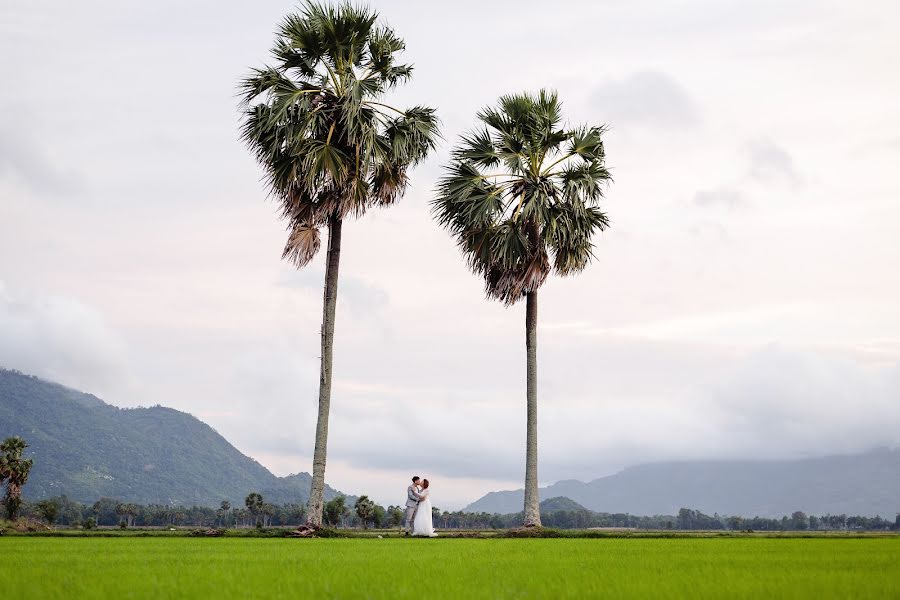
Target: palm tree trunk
pixel 13 499
pixel 317 488
pixel 532 498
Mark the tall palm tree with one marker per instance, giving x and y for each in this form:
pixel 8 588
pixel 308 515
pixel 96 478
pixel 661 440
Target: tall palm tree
pixel 331 149
pixel 521 196
pixel 14 472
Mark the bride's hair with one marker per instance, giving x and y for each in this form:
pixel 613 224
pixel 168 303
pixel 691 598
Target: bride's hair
pixel 425 484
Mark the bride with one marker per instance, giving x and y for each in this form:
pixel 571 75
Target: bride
pixel 422 525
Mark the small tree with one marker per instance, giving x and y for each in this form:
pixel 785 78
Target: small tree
pixel 799 521
pixel 365 508
pixel 296 512
pixel 120 512
pixel 334 510
pixel 224 509
pixel 48 510
pixel 127 513
pixel 241 515
pixel 14 471
pixel 395 516
pixel 254 503
pixel 266 510
pixel 378 516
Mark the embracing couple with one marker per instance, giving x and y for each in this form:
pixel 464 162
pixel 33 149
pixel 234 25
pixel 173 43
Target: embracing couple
pixel 418 509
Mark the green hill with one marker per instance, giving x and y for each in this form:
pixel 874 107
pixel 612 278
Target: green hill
pixel 87 449
pixel 559 503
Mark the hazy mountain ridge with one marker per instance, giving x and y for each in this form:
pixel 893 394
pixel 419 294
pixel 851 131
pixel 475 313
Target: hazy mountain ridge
pixel 87 449
pixel 865 484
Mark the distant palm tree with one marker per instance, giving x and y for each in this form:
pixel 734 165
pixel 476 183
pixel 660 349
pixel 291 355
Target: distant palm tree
pixel 254 503
pixel 14 473
pixel 224 509
pixel 365 509
pixel 331 149
pixel 521 196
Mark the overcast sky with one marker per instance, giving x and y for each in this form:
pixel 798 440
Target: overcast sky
pixel 744 302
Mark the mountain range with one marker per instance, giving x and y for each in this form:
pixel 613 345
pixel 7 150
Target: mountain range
pixel 87 449
pixel 859 484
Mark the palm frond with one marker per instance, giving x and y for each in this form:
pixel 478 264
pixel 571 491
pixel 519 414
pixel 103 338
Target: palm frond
pixel 302 244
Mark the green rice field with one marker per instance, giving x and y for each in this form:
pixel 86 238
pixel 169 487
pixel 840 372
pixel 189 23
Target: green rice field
pixel 128 567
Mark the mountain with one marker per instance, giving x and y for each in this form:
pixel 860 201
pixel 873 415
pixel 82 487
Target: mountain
pixel 87 449
pixel 860 484
pixel 558 503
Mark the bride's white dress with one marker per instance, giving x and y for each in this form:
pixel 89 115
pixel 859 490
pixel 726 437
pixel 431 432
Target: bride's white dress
pixel 422 524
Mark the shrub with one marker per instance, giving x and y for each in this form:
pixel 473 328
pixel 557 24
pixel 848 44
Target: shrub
pixel 532 532
pixel 327 532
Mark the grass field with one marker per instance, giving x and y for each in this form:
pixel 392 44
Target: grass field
pixel 33 567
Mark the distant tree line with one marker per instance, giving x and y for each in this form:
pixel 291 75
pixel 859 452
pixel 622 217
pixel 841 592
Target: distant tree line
pixel 111 512
pixel 797 521
pixel 686 519
pixel 365 513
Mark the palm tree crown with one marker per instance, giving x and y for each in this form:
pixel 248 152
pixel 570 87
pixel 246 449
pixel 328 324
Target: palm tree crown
pixel 312 119
pixel 13 467
pixel 521 194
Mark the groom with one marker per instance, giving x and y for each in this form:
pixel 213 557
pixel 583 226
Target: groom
pixel 412 503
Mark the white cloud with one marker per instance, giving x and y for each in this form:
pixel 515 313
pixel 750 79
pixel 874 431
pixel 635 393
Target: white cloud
pixel 771 163
pixel 647 99
pixel 60 339
pixel 25 163
pixel 723 197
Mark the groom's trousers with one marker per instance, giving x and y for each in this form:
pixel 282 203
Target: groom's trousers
pixel 410 517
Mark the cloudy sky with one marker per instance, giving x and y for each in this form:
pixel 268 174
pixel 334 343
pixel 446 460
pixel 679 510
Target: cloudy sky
pixel 744 302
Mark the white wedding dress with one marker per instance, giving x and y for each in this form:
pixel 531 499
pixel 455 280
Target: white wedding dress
pixel 422 524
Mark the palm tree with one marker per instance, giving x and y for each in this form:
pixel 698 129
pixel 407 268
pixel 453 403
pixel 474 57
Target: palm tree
pixel 254 503
pixel 14 472
pixel 330 149
pixel 365 509
pixel 224 508
pixel 521 196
